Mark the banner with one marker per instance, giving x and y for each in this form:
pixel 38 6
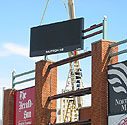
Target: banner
pixel 24 106
pixel 117 119
pixel 117 88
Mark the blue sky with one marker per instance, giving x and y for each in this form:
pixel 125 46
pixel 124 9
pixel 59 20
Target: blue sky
pixel 17 17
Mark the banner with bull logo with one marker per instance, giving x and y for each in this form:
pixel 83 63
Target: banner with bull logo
pixel 117 119
pixel 117 88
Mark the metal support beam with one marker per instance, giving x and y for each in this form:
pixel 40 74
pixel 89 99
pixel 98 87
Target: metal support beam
pixel 118 43
pixel 80 92
pixel 105 28
pixel 70 59
pixel 93 34
pixel 92 27
pixel 81 122
pixel 13 78
pixel 27 80
pixel 118 53
pixel 25 73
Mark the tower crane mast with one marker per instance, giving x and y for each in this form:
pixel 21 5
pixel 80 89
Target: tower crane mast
pixel 76 64
pixel 75 75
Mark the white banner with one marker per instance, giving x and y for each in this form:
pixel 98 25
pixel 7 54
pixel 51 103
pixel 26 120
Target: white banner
pixel 117 119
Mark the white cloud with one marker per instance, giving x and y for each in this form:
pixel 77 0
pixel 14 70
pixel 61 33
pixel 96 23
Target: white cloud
pixel 4 53
pixel 11 48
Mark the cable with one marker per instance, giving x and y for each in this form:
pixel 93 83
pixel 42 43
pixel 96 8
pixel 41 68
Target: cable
pixel 44 12
pixel 64 4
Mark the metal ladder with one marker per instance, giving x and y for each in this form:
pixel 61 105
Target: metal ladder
pixel 75 82
pixel 74 69
pixel 78 82
pixel 71 109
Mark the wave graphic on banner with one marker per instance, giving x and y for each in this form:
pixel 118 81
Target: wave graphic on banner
pixel 120 119
pixel 120 77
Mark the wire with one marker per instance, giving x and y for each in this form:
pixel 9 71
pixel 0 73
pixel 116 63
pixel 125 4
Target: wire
pixel 46 8
pixel 44 12
pixel 64 4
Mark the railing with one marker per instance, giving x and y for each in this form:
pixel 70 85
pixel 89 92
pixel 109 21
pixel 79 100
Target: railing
pixel 104 30
pixel 14 76
pixel 116 44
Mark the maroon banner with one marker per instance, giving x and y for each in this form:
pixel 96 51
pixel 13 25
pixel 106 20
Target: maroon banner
pixel 24 106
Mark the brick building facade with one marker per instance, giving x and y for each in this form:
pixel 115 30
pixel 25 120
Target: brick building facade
pixel 100 60
pixel 46 85
pixel 8 118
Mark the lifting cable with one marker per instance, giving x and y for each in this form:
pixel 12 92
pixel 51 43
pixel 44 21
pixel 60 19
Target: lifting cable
pixel 44 12
pixel 46 8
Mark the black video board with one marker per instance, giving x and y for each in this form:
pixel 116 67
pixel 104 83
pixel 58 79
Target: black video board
pixel 57 37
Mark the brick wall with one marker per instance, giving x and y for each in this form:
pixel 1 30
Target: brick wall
pixel 85 113
pixel 8 107
pixel 100 60
pixel 45 86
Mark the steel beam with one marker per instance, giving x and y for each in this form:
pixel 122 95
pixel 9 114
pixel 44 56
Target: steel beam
pixel 70 59
pixel 19 75
pixel 25 73
pixel 81 122
pixel 118 43
pixel 93 34
pixel 92 27
pixel 105 28
pixel 118 53
pixel 13 78
pixel 27 80
pixel 80 92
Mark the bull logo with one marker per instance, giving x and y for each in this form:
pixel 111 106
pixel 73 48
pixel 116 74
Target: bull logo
pixel 118 77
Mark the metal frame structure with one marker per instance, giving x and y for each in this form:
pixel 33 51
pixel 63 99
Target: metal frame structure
pixel 14 76
pixel 75 65
pixel 59 63
pixel 70 59
pixel 81 122
pixel 73 57
pixel 104 30
pixel 76 80
pixel 80 92
pixel 73 93
pixel 116 44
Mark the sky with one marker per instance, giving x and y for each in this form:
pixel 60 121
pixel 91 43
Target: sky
pixel 17 17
